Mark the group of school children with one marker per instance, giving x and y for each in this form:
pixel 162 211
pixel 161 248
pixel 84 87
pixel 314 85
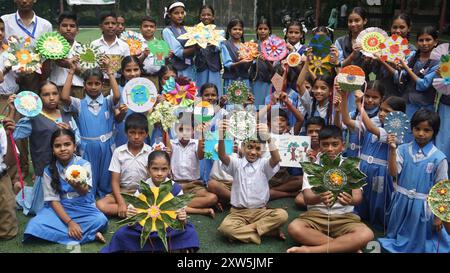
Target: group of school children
pixel 85 121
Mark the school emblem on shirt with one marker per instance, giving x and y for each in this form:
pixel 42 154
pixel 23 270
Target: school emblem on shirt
pixel 430 167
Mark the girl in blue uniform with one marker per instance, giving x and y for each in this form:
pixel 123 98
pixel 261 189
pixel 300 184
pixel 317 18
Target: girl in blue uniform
pixel 70 215
pixel 442 140
pixel 182 58
pixel 95 120
pixel 127 238
pixel 418 165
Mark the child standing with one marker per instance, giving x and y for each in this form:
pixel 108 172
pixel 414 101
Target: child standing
pixel 8 85
pixel 249 218
pixel 147 58
pixel 418 166
pixel 127 238
pixel 70 214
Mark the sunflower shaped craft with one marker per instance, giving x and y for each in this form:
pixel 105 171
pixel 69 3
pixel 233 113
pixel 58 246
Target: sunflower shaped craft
pixel 248 51
pixel 320 65
pixel 351 78
pixel 334 176
pixel 439 200
pixel 202 35
pixel 320 45
pixel 394 49
pixel 179 92
pixel 370 40
pixel 237 92
pixel 89 56
pixel 21 56
pixel 274 49
pixel 156 210
pixel 134 40
pixel 53 46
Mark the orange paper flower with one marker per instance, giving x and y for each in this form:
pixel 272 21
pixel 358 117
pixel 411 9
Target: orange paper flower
pixel 24 57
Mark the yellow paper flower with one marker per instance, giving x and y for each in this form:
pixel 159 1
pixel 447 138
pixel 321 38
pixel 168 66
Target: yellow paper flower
pixel 24 57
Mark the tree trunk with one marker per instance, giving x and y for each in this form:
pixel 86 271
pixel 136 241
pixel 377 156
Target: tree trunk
pixel 317 12
pixel 147 8
pixel 442 22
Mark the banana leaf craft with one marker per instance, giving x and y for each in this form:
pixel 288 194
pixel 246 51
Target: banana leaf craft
pixel 394 49
pixel 237 92
pixel 397 123
pixel 160 49
pixel 89 56
pixel 294 59
pixel 248 51
pixel 180 92
pixel 28 104
pixel 52 46
pixel 164 115
pixel 439 200
pixel 77 173
pixel 370 40
pixel 140 95
pixel 442 84
pixel 156 210
pixel 351 78
pixel 21 56
pixel 321 45
pixel 212 146
pixel 203 111
pixel 320 65
pixel 242 125
pixel 334 176
pixel 135 41
pixel 274 49
pixel 202 35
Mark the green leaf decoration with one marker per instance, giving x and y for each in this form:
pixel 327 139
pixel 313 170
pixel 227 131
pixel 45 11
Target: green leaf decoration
pixel 130 199
pixel 53 46
pixel 145 189
pixel 161 229
pixel 136 218
pixel 237 92
pixel 146 230
pixel 164 189
pixel 179 202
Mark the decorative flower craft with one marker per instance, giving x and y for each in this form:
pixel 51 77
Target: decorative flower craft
pixel 53 46
pixel 28 104
pixel 182 94
pixel 441 53
pixel 237 92
pixel 248 51
pixel 294 59
pixel 163 114
pixel 140 94
pixel 160 49
pixel 135 41
pixel 203 111
pixel 334 176
pixel 77 173
pixel 319 65
pixel 371 39
pixel 89 56
pixel 351 78
pixel 274 49
pixel 394 49
pixel 397 123
pixel 156 210
pixel 439 200
pixel 21 56
pixel 242 125
pixel 321 45
pixel 202 35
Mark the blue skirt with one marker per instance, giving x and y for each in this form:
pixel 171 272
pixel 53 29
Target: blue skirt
pixel 260 91
pixel 128 238
pixel 34 198
pixel 442 140
pixel 208 76
pixel 189 73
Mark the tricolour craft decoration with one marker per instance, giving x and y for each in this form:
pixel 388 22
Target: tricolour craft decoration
pixel 294 59
pixel 292 149
pixel 319 65
pixel 237 92
pixel 203 111
pixel 248 51
pixel 28 104
pixel 156 210
pixel 202 35
pixel 395 49
pixel 370 40
pixel 397 123
pixel 182 94
pixel 135 41
pixel 212 146
pixel 160 50
pixel 242 125
pixel 140 94
pixel 321 45
pixel 89 56
pixel 53 46
pixel 334 176
pixel 77 174
pixel 351 78
pixel 163 114
pixel 439 200
pixel 21 56
pixel 274 49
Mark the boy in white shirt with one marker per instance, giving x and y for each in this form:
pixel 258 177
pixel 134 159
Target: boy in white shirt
pixel 347 232
pixel 249 218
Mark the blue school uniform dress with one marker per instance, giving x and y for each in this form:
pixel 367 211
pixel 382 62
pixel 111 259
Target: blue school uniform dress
pixel 354 138
pixel 377 193
pixel 442 139
pixel 261 73
pixel 39 131
pixel 127 238
pixel 295 100
pixel 81 209
pixel 184 66
pixel 230 55
pixel 410 221
pixel 95 120
pixel 208 66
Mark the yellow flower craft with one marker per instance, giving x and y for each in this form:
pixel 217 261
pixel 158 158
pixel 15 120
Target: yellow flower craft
pixel 319 65
pixel 439 200
pixel 24 57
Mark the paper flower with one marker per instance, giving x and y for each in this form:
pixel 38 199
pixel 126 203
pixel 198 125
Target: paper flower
pixel 77 173
pixel 334 176
pixel 140 94
pixel 371 39
pixel 318 65
pixel 203 111
pixel 442 85
pixel 89 56
pixel 394 49
pixel 248 51
pixel 163 114
pixel 237 92
pixel 179 92
pixel 28 104
pixel 321 45
pixel 202 35
pixel 439 200
pixel 21 56
pixel 242 125
pixel 156 210
pixel 160 50
pixel 135 41
pixel 396 123
pixel 53 46
pixel 294 59
pixel 274 49
pixel 351 78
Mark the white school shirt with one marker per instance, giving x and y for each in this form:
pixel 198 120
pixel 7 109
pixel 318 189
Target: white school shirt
pixel 132 169
pixel 9 85
pixel 13 27
pixel 250 182
pixel 184 161
pixel 3 149
pixel 218 170
pixel 59 74
pixel 118 47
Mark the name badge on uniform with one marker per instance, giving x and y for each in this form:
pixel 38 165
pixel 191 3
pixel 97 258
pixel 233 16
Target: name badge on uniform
pixel 188 61
pixel 107 114
pixel 430 167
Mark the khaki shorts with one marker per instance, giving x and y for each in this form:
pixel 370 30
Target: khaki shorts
pixel 191 186
pixel 9 226
pixel 340 224
pixel 122 190
pixel 226 183
pixel 281 177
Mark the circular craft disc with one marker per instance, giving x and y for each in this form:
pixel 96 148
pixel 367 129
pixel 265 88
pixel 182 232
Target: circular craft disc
pixel 28 104
pixel 396 123
pixel 203 111
pixel 140 95
pixel 242 125
pixel 294 59
pixel 439 200
pixel 335 179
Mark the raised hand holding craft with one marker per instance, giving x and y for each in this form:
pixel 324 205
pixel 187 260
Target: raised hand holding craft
pixel 28 104
pixel 53 46
pixel 351 78
pixel 202 35
pixel 321 45
pixel 370 40
pixel 397 123
pixel 182 93
pixel 237 92
pixel 21 56
pixel 88 56
pixel 160 50
pixel 242 125
pixel 248 51
pixel 274 49
pixel 140 94
pixel 203 111
pixel 394 49
pixel 134 40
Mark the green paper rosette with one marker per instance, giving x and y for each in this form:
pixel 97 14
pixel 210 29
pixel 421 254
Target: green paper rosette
pixel 53 46
pixel 237 92
pixel 89 56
